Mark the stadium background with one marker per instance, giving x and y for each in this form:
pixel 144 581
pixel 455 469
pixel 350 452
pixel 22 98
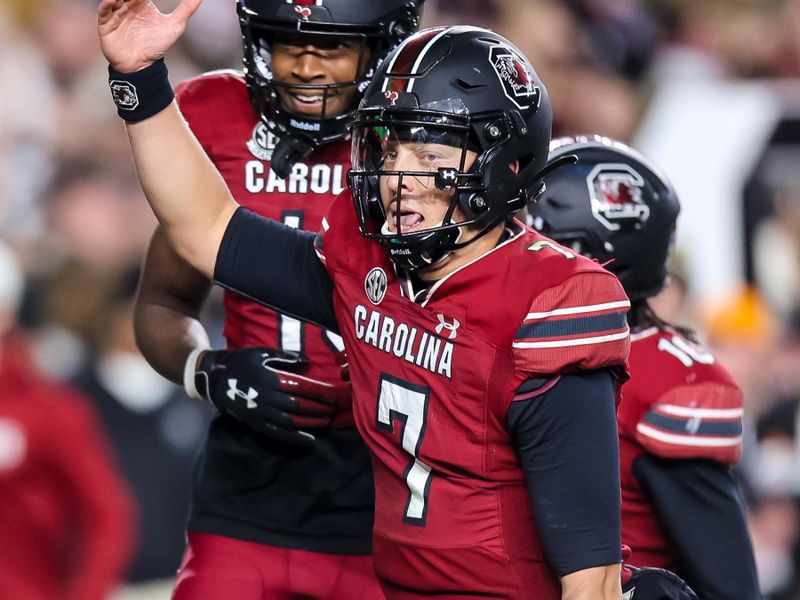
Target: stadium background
pixel 709 89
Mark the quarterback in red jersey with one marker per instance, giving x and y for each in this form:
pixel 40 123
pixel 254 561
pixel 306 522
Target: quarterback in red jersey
pixel 276 134
pixel 680 420
pixel 480 392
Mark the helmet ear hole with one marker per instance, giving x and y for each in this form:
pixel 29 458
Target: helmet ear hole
pixel 477 204
pixel 495 130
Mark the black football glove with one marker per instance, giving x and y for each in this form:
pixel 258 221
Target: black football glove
pixel 648 583
pixel 257 386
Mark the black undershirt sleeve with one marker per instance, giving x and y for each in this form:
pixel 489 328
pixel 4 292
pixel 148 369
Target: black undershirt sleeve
pixel 702 511
pixel 275 265
pixel 566 440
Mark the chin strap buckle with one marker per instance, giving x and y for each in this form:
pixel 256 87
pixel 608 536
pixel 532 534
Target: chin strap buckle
pixel 289 150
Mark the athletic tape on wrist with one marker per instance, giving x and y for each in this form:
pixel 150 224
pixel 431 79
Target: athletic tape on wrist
pixel 141 94
pixel 189 370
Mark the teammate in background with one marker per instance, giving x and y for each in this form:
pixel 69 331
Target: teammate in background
pixel 467 393
pixel 274 514
pixel 67 519
pixel 680 418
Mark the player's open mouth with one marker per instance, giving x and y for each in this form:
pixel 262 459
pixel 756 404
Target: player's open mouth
pixel 307 99
pixel 409 221
pixel 308 102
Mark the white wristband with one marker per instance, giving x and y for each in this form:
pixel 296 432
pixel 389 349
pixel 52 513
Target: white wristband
pixel 189 369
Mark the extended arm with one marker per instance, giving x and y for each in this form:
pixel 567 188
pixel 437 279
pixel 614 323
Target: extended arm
pixel 184 189
pixel 187 194
pixel 567 444
pixel 699 503
pixel 290 277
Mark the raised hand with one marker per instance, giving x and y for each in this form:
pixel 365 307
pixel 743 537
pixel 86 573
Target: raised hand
pixel 134 33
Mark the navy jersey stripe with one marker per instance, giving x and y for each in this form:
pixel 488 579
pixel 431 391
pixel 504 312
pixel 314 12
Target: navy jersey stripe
pixel 693 427
pixel 575 326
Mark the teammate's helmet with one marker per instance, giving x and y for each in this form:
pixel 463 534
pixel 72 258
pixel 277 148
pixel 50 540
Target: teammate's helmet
pixel 382 24
pixel 613 205
pixel 467 88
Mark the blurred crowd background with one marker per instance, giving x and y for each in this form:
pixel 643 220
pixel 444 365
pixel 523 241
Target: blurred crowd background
pixel 710 90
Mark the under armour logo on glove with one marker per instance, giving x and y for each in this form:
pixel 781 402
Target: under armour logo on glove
pixel 234 392
pixel 450 327
pixel 289 403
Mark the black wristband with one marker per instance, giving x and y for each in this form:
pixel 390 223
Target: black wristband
pixel 141 94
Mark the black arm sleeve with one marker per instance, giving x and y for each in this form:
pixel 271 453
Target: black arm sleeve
pixel 566 440
pixel 701 508
pixel 275 265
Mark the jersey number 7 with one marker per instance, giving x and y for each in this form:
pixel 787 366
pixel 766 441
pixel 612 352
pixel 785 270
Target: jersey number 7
pixel 407 403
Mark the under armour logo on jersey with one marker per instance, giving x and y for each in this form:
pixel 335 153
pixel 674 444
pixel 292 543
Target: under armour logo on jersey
pixel 375 285
pixel 450 327
pixel 628 595
pixel 234 392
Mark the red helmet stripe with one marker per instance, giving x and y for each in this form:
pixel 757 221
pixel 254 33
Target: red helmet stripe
pixel 405 58
pixel 411 53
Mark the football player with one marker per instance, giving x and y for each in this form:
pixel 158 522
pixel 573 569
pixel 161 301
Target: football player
pixel 680 420
pixel 274 515
pixel 487 397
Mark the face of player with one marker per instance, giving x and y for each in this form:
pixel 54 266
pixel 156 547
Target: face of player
pixel 304 59
pixel 420 204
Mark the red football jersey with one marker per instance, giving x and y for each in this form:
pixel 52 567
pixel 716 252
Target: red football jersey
pixel 218 109
pixel 433 381
pixel 245 487
pixel 679 403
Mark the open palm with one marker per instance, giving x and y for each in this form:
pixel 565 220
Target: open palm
pixel 134 33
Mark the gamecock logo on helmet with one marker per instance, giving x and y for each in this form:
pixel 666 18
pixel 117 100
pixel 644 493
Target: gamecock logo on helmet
pixel 391 96
pixel 616 193
pixel 302 7
pixel 517 80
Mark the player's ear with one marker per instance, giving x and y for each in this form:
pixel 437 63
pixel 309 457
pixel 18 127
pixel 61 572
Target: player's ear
pixel 514 166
